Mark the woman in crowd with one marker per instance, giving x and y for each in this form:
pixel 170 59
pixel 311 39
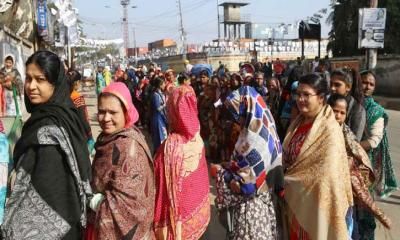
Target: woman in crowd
pixel 123 178
pixel 48 199
pixel 158 113
pixel 100 82
pixel 361 172
pixel 346 83
pixel 184 79
pixel 274 96
pixel 288 112
pixel 376 144
pixel 314 157
pixel 4 166
pixel 236 81
pixel 182 208
pixel 242 183
pixel 259 85
pixel 170 80
pixel 205 106
pixel 375 140
pixel 107 75
pixel 74 78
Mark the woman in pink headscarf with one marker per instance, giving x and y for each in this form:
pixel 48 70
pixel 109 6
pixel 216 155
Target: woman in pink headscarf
pixel 123 178
pixel 182 209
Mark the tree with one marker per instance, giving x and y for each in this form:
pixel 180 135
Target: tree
pixel 344 34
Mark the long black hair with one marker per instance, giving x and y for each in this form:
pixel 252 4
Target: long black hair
pixel 352 78
pixel 335 98
pixel 49 63
pixel 182 77
pixel 156 83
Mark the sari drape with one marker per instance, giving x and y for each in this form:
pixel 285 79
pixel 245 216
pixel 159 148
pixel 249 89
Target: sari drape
pixel 256 166
pixel 123 173
pixel 182 209
pixel 380 157
pixel 317 185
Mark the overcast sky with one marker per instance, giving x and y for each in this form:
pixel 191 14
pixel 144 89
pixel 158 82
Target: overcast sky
pixel 158 19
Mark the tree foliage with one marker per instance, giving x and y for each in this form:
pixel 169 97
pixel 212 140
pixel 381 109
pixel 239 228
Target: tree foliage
pixel 344 34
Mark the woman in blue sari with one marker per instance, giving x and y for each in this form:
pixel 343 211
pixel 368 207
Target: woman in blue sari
pixel 159 118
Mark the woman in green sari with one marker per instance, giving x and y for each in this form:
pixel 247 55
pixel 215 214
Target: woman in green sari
pixel 376 144
pixel 375 140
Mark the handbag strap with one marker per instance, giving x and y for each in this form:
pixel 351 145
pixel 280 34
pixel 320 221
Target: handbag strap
pixel 14 89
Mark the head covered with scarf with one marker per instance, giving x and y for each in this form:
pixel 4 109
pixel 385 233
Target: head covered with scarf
pixel 58 112
pixel 119 90
pixel 182 112
pixel 183 164
pixel 258 143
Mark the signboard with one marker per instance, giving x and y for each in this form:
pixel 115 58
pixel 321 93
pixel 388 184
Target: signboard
pixel 372 23
pixel 42 18
pixel 309 31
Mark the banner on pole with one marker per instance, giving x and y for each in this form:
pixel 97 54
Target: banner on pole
pixel 371 29
pixel 42 18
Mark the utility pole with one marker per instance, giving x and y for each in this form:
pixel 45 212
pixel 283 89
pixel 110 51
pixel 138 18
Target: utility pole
pixel 219 31
pixel 125 24
pixel 183 33
pixel 134 42
pixel 372 53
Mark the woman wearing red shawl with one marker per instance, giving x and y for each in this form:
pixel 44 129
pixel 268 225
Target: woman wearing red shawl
pixel 123 177
pixel 182 208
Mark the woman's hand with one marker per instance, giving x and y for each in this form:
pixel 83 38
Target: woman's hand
pixel 96 201
pixel 215 168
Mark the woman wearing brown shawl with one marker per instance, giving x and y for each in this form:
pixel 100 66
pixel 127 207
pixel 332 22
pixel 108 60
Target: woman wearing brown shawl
pixel 317 180
pixel 122 171
pixel 361 173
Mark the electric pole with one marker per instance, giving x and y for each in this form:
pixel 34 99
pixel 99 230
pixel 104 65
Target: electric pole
pixel 134 42
pixel 125 24
pixel 183 33
pixel 219 31
pixel 372 53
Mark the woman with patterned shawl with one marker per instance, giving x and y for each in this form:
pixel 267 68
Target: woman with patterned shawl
pixel 318 191
pixel 361 173
pixel 244 183
pixel 182 210
pixel 123 177
pixel 51 160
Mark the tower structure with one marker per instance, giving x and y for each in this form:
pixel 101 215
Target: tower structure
pixel 125 24
pixel 233 20
pixel 182 30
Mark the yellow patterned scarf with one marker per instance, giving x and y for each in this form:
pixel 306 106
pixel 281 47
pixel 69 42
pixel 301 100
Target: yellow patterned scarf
pixel 317 185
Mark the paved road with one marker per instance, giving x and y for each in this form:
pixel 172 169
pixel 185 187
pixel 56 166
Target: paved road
pixel 390 206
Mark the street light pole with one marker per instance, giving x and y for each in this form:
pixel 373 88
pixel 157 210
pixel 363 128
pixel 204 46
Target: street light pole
pixel 125 25
pixel 372 53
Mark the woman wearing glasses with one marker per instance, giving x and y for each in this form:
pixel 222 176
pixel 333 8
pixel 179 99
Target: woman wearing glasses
pixel 318 192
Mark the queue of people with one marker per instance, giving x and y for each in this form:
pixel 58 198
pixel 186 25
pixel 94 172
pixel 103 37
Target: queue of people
pixel 301 158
